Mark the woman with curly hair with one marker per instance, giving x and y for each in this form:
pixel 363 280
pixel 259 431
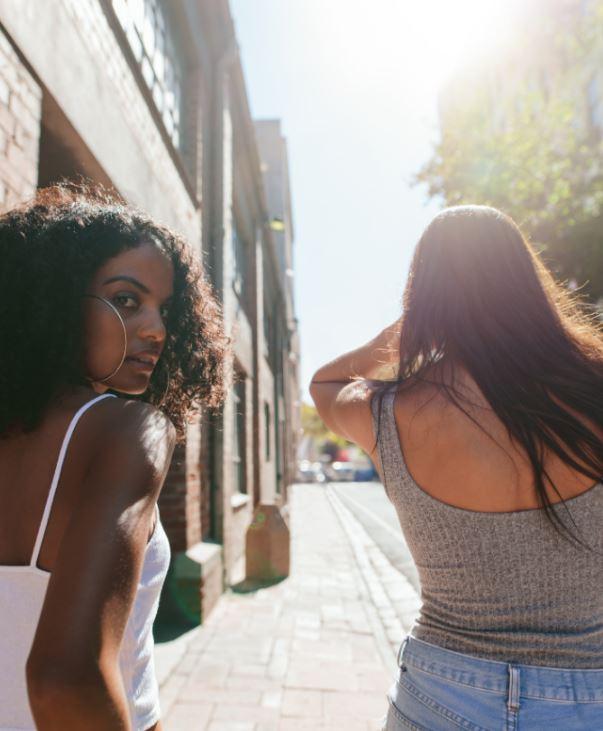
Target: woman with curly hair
pixel 111 337
pixel 483 408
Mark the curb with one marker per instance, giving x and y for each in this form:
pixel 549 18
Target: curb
pixel 391 618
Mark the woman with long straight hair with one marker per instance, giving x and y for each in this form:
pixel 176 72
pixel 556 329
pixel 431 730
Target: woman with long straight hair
pixel 482 407
pixel 110 337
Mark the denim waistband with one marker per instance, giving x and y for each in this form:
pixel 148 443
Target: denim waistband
pixel 512 680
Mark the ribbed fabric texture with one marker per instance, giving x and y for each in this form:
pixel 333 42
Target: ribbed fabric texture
pixel 22 592
pixel 502 586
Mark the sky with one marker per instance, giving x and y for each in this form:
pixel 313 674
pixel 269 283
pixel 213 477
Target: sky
pixel 355 84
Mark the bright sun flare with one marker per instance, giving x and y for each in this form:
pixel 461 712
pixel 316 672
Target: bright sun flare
pixel 459 32
pixel 419 42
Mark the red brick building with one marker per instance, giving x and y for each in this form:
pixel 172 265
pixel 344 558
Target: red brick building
pixel 148 96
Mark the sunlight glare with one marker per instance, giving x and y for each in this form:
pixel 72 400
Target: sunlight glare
pixel 455 33
pixel 414 44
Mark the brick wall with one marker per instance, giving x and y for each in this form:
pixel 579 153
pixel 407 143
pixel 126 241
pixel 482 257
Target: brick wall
pixel 20 113
pixel 172 501
pixel 180 499
pixel 185 500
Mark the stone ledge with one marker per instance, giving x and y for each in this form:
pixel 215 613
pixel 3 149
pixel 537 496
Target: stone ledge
pixel 205 554
pixel 194 583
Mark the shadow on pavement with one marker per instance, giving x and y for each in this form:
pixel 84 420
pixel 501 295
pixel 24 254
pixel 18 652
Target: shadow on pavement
pixel 248 586
pixel 167 631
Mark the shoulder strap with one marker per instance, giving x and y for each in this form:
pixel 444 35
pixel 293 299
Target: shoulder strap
pixel 57 474
pixel 386 434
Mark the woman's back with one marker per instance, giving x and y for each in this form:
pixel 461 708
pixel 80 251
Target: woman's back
pixel 27 464
pixel 453 455
pixel 31 471
pixel 498 580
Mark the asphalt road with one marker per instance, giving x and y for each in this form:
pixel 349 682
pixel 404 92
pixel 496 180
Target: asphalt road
pixel 369 504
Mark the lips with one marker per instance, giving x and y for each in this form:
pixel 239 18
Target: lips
pixel 144 359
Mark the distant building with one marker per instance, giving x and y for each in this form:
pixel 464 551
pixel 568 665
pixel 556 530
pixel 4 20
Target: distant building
pixel 285 366
pixel 148 97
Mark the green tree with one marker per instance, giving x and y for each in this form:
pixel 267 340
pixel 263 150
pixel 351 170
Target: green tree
pixel 533 152
pixel 314 427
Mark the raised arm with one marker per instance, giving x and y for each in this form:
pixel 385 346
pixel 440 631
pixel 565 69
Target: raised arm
pixel 342 389
pixel 73 674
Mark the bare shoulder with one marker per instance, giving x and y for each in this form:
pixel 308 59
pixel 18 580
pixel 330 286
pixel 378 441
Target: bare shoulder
pixel 131 415
pixel 130 437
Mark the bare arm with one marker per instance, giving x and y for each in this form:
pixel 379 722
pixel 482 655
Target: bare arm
pixel 376 360
pixel 72 670
pixel 342 389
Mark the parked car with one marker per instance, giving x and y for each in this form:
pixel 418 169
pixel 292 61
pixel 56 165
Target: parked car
pixel 340 471
pixel 310 471
pixel 366 473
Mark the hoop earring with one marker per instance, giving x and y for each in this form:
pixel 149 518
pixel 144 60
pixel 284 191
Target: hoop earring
pixel 123 325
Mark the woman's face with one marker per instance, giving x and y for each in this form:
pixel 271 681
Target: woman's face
pixel 139 284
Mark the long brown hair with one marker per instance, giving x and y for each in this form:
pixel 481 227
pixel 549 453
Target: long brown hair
pixel 479 296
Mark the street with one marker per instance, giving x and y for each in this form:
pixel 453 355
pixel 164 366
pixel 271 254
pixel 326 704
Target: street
pixel 371 507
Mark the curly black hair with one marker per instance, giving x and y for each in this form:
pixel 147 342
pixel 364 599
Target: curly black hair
pixel 50 248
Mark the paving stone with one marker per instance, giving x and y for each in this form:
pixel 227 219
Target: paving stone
pixel 233 712
pixel 188 717
pixel 302 703
pixel 272 698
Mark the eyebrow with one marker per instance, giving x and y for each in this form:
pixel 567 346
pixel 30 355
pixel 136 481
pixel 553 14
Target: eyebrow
pixel 124 278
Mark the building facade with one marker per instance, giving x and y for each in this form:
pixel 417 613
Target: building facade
pixel 286 350
pixel 148 98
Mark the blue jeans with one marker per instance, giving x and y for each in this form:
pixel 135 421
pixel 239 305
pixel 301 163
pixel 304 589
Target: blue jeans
pixel 441 690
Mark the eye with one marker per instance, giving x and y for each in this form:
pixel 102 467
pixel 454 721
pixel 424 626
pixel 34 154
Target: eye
pixel 165 311
pixel 125 301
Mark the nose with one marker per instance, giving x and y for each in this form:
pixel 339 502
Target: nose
pixel 152 326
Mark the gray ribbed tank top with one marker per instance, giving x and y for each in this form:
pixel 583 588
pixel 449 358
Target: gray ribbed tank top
pixel 502 586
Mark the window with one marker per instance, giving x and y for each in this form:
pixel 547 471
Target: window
pixel 239 436
pixel 153 43
pixel 239 257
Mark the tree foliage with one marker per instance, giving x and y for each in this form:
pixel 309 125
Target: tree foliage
pixel 314 427
pixel 529 148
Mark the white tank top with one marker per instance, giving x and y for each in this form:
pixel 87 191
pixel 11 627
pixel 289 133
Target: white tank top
pixel 22 591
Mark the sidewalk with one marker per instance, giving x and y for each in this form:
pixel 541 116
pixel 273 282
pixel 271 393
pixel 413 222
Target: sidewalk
pixel 313 652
